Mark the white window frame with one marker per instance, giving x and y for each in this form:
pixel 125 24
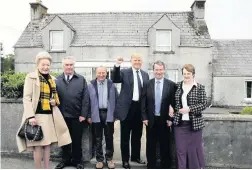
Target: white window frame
pixel 59 47
pixel 163 47
pixel 246 97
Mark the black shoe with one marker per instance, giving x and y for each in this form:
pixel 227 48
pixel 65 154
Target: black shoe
pixel 62 165
pixel 126 165
pixel 138 161
pixel 79 166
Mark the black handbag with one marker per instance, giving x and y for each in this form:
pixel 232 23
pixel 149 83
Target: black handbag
pixel 31 133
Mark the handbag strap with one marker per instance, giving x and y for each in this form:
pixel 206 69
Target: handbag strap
pixel 37 133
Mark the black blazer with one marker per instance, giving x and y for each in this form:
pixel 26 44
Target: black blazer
pixel 148 101
pixel 196 101
pixel 125 77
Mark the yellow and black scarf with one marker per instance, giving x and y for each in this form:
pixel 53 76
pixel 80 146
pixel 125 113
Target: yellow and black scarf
pixel 45 92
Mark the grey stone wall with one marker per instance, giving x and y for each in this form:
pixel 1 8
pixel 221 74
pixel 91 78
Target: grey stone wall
pixel 227 140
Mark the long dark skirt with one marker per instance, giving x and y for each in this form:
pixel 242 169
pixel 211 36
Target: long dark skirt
pixel 189 145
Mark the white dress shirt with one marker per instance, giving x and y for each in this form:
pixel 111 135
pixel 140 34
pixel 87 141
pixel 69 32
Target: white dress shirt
pixel 70 77
pixel 186 88
pixel 135 87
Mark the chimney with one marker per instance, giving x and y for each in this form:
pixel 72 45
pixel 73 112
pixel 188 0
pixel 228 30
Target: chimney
pixel 198 8
pixel 37 10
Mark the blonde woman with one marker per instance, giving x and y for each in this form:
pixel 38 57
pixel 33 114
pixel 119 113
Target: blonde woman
pixel 40 100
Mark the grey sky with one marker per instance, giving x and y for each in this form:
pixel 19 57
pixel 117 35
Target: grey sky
pixel 226 19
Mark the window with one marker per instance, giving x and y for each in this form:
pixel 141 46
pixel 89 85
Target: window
pixel 163 40
pixel 248 89
pixel 56 40
pixel 169 74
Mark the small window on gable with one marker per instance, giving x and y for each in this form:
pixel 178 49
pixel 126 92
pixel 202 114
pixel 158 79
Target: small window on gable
pixel 56 40
pixel 163 40
pixel 248 89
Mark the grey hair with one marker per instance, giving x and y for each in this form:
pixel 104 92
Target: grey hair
pixel 159 62
pixel 101 66
pixel 42 55
pixel 68 58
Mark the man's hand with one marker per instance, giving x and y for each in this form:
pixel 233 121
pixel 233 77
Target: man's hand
pixel 81 119
pixel 169 123
pixel 145 122
pixel 89 120
pixel 184 110
pixel 119 60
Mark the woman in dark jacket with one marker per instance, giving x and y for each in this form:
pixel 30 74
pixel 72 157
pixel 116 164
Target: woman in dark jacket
pixel 190 100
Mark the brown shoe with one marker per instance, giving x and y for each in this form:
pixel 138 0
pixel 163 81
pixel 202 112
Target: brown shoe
pixel 99 165
pixel 111 164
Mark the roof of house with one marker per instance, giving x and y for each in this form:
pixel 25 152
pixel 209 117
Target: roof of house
pixel 232 57
pixel 116 29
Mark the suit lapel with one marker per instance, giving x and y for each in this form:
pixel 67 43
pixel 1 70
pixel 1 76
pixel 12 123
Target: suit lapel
pixel 96 88
pixel 165 89
pixel 152 85
pixel 109 84
pixel 143 76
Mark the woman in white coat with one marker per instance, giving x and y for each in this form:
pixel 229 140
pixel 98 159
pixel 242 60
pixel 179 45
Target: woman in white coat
pixel 40 100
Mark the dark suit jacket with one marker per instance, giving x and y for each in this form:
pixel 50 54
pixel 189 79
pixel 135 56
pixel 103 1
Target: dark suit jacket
pixel 148 101
pixel 125 77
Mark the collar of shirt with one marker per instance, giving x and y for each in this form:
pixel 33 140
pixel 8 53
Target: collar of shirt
pixel 134 70
pixel 99 82
pixel 161 80
pixel 70 76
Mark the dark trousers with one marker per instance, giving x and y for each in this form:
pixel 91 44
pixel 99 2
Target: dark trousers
pixel 108 128
pixel 159 132
pixel 133 126
pixel 73 151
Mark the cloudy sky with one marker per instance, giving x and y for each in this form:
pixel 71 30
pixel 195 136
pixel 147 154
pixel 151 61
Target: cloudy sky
pixel 226 19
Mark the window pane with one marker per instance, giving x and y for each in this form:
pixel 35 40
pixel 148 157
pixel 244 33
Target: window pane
pixel 249 89
pixel 86 72
pixel 163 40
pixel 171 75
pixel 56 40
pixel 57 37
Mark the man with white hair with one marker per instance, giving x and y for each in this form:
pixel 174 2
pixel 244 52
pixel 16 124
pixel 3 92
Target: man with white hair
pixel 74 104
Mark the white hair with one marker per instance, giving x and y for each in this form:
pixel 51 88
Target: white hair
pixel 43 55
pixel 101 66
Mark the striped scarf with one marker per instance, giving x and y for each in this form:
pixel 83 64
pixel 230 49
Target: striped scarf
pixel 45 92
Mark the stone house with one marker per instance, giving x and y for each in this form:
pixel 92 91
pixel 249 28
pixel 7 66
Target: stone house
pixel 96 39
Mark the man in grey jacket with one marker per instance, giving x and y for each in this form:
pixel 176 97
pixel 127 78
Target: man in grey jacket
pixel 103 95
pixel 74 104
